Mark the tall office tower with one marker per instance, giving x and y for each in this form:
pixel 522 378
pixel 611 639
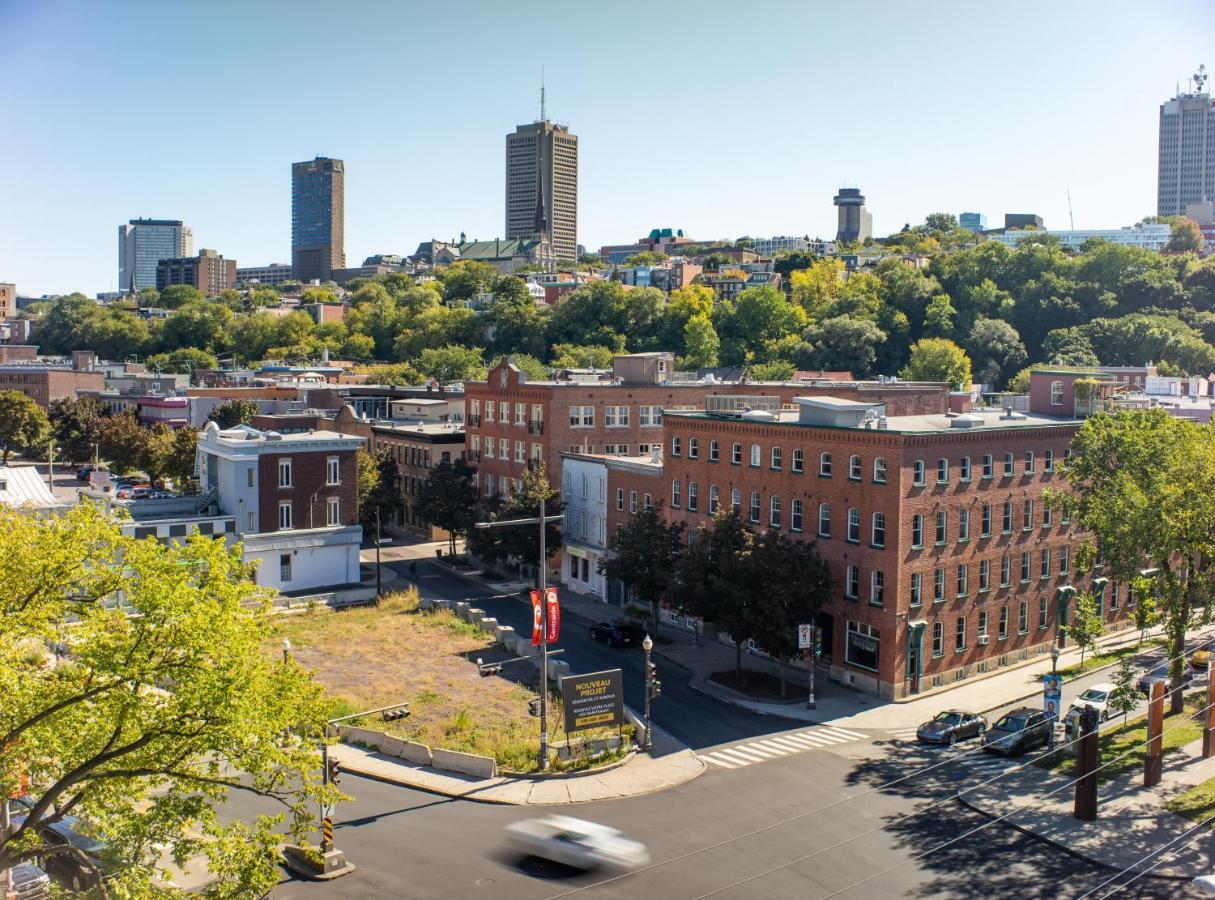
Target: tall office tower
pixel 542 185
pixel 855 223
pixel 1187 149
pixel 142 243
pixel 318 218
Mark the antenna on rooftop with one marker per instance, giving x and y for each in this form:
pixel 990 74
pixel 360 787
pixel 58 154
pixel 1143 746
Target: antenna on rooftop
pixel 541 93
pixel 1070 218
pixel 1200 78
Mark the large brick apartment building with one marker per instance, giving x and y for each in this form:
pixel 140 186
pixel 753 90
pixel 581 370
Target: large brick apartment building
pixel 511 422
pixel 945 561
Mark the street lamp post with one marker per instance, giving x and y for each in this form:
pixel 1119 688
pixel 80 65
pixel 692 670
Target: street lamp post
pixel 647 645
pixel 286 650
pixel 1054 671
pixel 542 520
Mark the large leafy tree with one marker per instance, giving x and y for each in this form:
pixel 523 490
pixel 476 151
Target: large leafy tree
pixel 449 499
pixel 937 359
pixel 23 425
pixel 452 363
pixel 123 442
pixel 519 542
pixel 841 343
pixel 1142 484
pixel 995 349
pixel 1186 236
pixel 151 720
pixel 75 425
pixel 183 361
pixel 642 556
pixel 379 487
pixel 231 413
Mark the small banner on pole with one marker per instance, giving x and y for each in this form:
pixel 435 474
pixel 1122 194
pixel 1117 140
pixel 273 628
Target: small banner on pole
pixel 537 619
pixel 552 614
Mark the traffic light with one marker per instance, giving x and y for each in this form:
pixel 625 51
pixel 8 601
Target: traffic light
pixel 487 669
pixel 390 715
pixel 533 706
pixel 651 678
pixel 335 770
pixel 818 647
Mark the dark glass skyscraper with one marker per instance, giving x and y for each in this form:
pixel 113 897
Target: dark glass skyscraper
pixel 318 218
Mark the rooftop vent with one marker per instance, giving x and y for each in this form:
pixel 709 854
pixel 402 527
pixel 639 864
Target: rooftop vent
pixel 966 420
pixel 1013 414
pixel 758 415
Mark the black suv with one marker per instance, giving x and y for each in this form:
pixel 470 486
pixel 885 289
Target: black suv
pixel 618 633
pixel 1017 731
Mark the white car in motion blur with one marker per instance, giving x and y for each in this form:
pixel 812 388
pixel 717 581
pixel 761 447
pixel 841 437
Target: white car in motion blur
pixel 577 843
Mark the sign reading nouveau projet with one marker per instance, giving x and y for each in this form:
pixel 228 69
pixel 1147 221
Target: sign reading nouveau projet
pixel 593 700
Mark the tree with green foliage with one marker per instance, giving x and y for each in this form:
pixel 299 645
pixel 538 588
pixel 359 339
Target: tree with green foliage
pixel 701 344
pixel 394 375
pixel 842 343
pixel 520 543
pixel 1186 236
pixel 24 426
pixel 779 370
pixel 1146 615
pixel 936 359
pixel 152 720
pixel 995 349
pixel 1085 626
pixel 647 258
pixel 183 360
pixel 237 411
pixel 74 427
pixel 379 489
pixel 642 556
pixel 791 583
pixel 759 315
pixel 452 363
pixel 171 453
pixel 123 442
pixel 178 295
pixel 1142 484
pixel 528 365
pixel 569 356
pixel 1124 698
pixel 449 499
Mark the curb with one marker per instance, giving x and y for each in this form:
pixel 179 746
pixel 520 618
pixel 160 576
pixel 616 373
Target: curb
pixel 1070 851
pixel 697 684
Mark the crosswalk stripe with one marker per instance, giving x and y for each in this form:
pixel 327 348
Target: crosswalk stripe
pixel 826 737
pixel 780 749
pixel 713 758
pixel 741 754
pixel 854 735
pixel 815 740
pixel 766 752
pixel 800 742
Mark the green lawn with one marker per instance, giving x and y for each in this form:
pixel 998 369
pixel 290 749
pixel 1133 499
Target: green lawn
pixel 1196 804
pixel 1105 659
pixel 1178 731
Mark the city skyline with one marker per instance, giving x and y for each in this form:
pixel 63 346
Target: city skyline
pixel 738 144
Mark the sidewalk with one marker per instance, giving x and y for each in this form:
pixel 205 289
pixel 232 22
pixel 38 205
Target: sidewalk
pixel 1131 819
pixel 670 764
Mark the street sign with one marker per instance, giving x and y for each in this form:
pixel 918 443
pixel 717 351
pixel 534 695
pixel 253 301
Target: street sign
pixel 805 637
pixel 592 700
pixel 1052 695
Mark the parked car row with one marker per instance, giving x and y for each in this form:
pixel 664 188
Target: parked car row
pixel 618 633
pixel 77 871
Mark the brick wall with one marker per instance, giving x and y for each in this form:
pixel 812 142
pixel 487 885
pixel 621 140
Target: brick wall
pixel 308 478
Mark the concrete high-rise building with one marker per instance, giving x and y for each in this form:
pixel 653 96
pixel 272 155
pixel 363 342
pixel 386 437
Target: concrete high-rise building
pixel 855 222
pixel 1186 171
pixel 318 218
pixel 208 272
pixel 142 243
pixel 542 185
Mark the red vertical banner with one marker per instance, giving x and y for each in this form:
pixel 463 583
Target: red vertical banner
pixel 537 620
pixel 552 615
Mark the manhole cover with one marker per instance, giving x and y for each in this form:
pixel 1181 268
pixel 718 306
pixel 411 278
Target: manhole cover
pixel 485 882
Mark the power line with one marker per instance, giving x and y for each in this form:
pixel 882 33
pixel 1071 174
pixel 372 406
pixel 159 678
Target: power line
pixel 1141 861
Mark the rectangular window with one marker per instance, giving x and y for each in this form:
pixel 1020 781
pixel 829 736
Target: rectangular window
pixel 504 412
pixel 284 515
pixel 942 471
pixel 942 525
pixel 489 447
pixel 795 515
pixel 520 451
pixel 964 469
pixel 879 529
pixel 959 639
pixel 712 499
pixel 1005 570
pixel 879 470
pixel 796 464
pixel 1044 568
pixel 520 413
pixel 982 627
pixel 984 575
pixel 676 445
pixel 736 501
pixel 1041 612
pixel 489 410
pixel 1056 393
pixel 251 524
pixel 1007 520
pixel 1048 515
pixel 854 468
pixel 986 520
pixel 824 520
pixel 774 511
pixel 333 512
pixel 284 567
pixel 1048 461
pixel 938 584
pixel 963 524
pixel 621 417
pixel 1029 462
pixel 756 456
pixel 776 458
pixel 824 465
pixel 877 588
pixel 852 584
pixel 736 454
pixel 1023 617
pixel 916 599
pixel 963 579
pixel 620 498
pixel 632 501
pixel 249 475
pixel 1025 565
pixel 754 506
pixel 714 451
pixel 284 472
pixel 938 639
pixel 676 489
pixel 648 501
pixel 693 448
pixel 987 465
pixel 1027 516
pixel 917 473
pixel 1063 559
pixel 917 531
pixel 693 496
pixel 1003 622
pixel 1008 465
pixel 582 417
pixel 854 525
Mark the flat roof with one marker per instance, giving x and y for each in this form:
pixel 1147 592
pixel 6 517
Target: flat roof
pixel 938 423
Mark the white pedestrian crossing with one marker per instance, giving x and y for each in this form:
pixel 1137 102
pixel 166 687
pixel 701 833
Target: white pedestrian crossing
pixel 905 734
pixel 776 745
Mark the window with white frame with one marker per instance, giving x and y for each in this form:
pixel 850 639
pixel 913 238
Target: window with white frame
pixel 1023 617
pixel 938 584
pixel 938 639
pixel 775 458
pixel 712 499
pixel 917 531
pixel 284 472
pixel 650 416
pixel 877 588
pixel 854 468
pixel 852 582
pixel 917 473
pixel 942 525
pixel 879 470
pixel 284 567
pixel 756 456
pixel 964 469
pixel 1056 393
pixel 520 413
pixel 504 412
pixel 824 464
pixel 1009 464
pixel 1048 515
pixel 632 501
pixel 520 451
pixel 1029 462
pixel 489 447
pixel 284 515
pixel 1042 612
pixel 333 511
pixel 963 524
pixel 736 501
pixel 1044 568
pixel 987 465
pixel 942 471
pixel 1048 461
pixel 985 523
pixel 916 598
pixel 1063 559
pixel 963 580
pixel 854 525
pixel 620 498
pixel 676 445
pixel 619 417
pixel 755 506
pixel 984 575
pixel 1003 622
pixel 693 448
pixel 795 515
pixel 1027 515
pixel 333 470
pixel 714 451
pixel 582 417
pixel 798 461
pixel 982 625
pixel 489 410
pixel 1007 517
pixel 1025 565
pixel 774 511
pixel 1005 570
pixel 676 491
pixel 824 520
pixel 959 639
pixel 693 496
pixel 736 454
pixel 879 529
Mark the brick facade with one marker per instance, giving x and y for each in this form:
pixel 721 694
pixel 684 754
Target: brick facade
pixel 45 385
pixel 309 491
pixel 884 612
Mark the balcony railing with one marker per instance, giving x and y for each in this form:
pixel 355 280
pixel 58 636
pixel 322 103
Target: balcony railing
pixel 535 426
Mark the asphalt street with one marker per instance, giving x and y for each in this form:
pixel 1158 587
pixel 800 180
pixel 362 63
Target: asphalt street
pixel 803 819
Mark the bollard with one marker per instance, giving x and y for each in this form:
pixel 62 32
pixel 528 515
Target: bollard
pixel 1084 807
pixel 1208 733
pixel 1153 759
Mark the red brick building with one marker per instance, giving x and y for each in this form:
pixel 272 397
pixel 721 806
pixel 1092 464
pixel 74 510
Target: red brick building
pixel 45 384
pixel 511 421
pixel 946 562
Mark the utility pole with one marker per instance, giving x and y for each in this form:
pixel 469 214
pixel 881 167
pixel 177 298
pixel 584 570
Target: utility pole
pixel 542 520
pixel 378 585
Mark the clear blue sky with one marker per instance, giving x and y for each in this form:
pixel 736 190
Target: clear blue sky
pixel 722 118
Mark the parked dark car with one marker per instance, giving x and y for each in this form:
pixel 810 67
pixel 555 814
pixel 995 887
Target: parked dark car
pixel 1018 731
pixel 83 473
pixel 1160 672
pixel 951 726
pixel 66 868
pixel 618 633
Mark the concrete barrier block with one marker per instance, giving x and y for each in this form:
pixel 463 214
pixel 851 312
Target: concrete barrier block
pixel 503 633
pixel 490 625
pixel 425 603
pixel 464 763
pixel 476 616
pixel 462 609
pixel 391 745
pixel 418 754
pixel 365 736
